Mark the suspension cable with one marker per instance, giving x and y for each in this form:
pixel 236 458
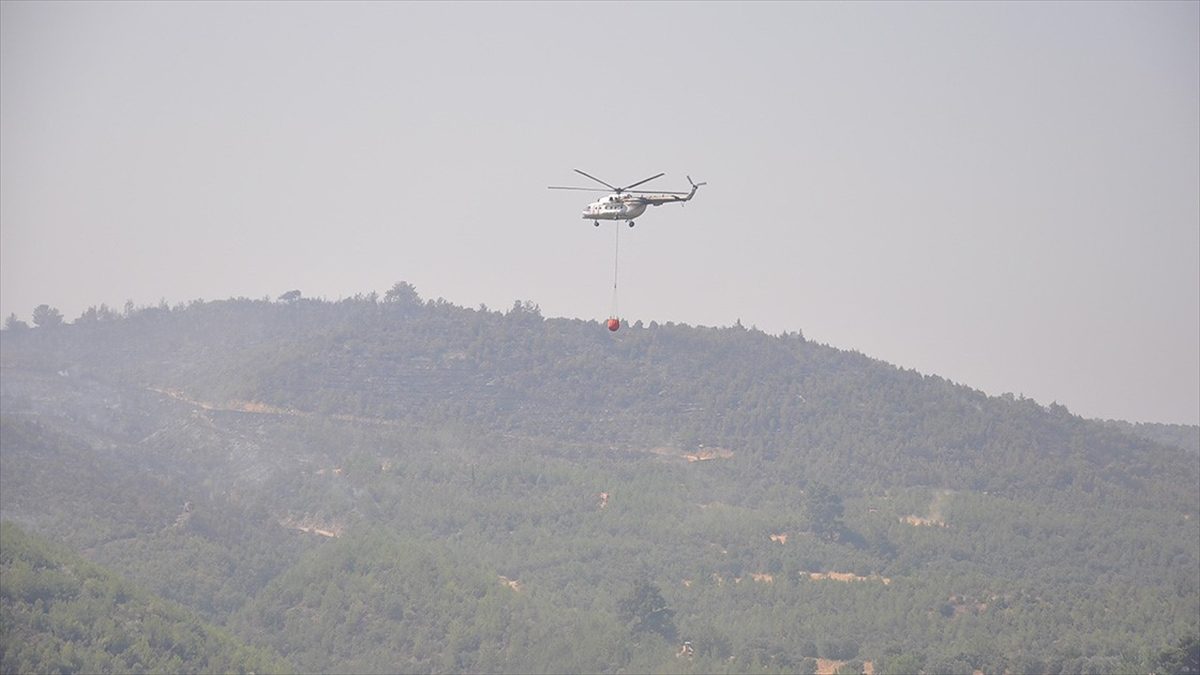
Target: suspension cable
pixel 616 267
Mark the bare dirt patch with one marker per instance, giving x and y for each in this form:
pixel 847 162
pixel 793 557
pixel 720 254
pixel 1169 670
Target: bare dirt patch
pixel 706 454
pixel 846 577
pixel 917 521
pixel 311 525
pixel 935 517
pixel 828 666
pixel 701 454
pixel 260 408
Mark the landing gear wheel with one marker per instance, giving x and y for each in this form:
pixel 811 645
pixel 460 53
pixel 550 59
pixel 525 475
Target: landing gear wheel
pixel 596 223
pixel 630 223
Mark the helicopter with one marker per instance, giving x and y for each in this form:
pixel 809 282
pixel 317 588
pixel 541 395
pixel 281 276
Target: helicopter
pixel 626 204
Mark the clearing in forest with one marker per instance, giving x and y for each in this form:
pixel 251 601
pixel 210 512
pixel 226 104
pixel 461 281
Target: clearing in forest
pixel 935 517
pixel 846 577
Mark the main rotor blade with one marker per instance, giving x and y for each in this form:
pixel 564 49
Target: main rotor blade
pixel 598 180
pixel 644 180
pixel 556 187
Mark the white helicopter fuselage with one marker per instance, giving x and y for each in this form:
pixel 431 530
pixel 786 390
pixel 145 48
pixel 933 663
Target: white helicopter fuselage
pixel 615 207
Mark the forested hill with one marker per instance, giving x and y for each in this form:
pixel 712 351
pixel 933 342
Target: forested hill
pixel 810 409
pixel 388 484
pixel 64 614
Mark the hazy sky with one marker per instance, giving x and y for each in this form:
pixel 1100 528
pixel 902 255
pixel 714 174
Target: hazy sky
pixel 1007 195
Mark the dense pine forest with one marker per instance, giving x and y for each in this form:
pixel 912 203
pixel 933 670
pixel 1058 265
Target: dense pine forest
pixel 388 484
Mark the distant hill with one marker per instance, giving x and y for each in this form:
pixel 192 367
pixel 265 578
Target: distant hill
pixel 288 469
pixel 783 397
pixel 1175 435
